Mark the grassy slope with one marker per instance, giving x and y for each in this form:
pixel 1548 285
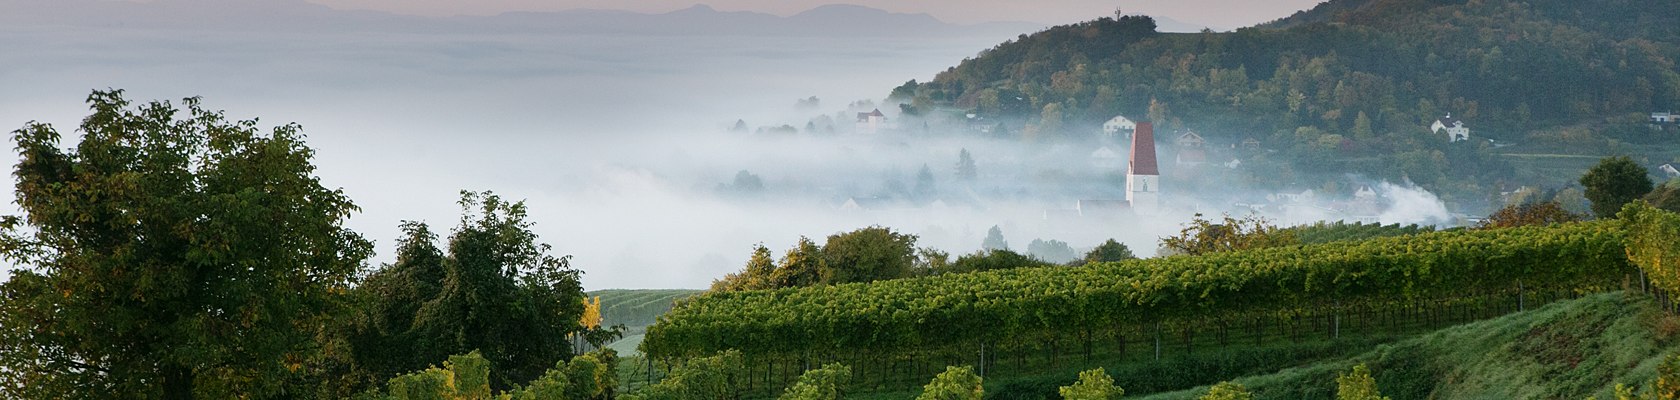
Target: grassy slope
pixel 1568 349
pixel 636 309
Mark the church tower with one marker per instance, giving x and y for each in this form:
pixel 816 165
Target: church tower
pixel 1143 180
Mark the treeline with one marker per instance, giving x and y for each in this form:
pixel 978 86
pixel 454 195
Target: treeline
pixel 1349 93
pixel 1398 63
pixel 879 253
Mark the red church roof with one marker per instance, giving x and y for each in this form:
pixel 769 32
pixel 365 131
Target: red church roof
pixel 1143 150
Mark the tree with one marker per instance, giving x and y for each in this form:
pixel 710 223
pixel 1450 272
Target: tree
pixel 1357 385
pixel 387 301
pixel 502 294
pixel 1201 236
pixel 826 383
pixel 801 266
pixel 1092 385
pixel 172 254
pixel 1613 182
pixel 757 274
pixel 956 383
pixel 966 170
pixel 1227 391
pixel 987 260
pixel 866 255
pixel 1053 251
pixel 924 183
pixel 1546 213
pixel 994 240
pixel 1110 251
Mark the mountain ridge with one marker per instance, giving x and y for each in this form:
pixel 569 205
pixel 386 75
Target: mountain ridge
pixel 303 16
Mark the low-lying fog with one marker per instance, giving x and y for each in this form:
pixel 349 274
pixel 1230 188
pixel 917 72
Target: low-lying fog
pixel 620 144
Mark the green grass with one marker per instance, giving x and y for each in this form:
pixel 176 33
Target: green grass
pixel 636 309
pixel 1570 349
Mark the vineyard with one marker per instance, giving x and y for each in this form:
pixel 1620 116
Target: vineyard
pixel 1013 321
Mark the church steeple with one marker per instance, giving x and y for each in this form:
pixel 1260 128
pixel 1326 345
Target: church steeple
pixel 1143 186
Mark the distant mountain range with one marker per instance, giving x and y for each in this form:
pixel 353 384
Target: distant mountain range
pixel 305 17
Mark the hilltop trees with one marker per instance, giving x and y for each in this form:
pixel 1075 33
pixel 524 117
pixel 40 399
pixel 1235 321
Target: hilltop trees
pixel 1203 236
pixel 1615 181
pixel 1109 251
pixel 172 254
pixel 863 255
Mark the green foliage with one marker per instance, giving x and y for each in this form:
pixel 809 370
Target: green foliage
pixel 171 254
pixel 1092 385
pixel 463 377
pixel 467 377
pixel 1201 236
pixel 1653 243
pixel 497 291
pixel 992 260
pixel 826 383
pixel 956 383
pixel 1011 305
pixel 1227 391
pixel 1326 232
pixel 1110 251
pixel 1357 385
pixel 867 255
pixel 1666 196
pixel 717 377
pixel 1614 182
pixel 1515 215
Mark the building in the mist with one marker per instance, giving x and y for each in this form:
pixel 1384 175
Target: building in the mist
pixel 1106 160
pixel 1452 127
pixel 1190 150
pixel 1143 178
pixel 871 122
pixel 1118 126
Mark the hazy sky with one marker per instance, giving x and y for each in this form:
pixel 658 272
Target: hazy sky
pixel 1224 13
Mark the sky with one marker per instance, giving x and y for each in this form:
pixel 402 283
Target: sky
pixel 1220 13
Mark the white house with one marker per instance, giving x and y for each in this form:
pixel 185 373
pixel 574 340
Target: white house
pixel 1663 117
pixel 1669 170
pixel 1118 125
pixel 870 122
pixel 1452 127
pixel 1190 140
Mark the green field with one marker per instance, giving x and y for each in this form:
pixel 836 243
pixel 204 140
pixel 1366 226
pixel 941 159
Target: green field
pixel 636 309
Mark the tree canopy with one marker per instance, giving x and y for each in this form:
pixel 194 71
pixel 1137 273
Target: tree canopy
pixel 1614 182
pixel 172 253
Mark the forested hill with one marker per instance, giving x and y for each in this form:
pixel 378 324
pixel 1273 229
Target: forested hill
pixel 1360 69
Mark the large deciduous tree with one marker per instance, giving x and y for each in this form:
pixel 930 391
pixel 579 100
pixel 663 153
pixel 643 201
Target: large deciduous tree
pixel 497 291
pixel 171 254
pixel 866 255
pixel 1615 181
